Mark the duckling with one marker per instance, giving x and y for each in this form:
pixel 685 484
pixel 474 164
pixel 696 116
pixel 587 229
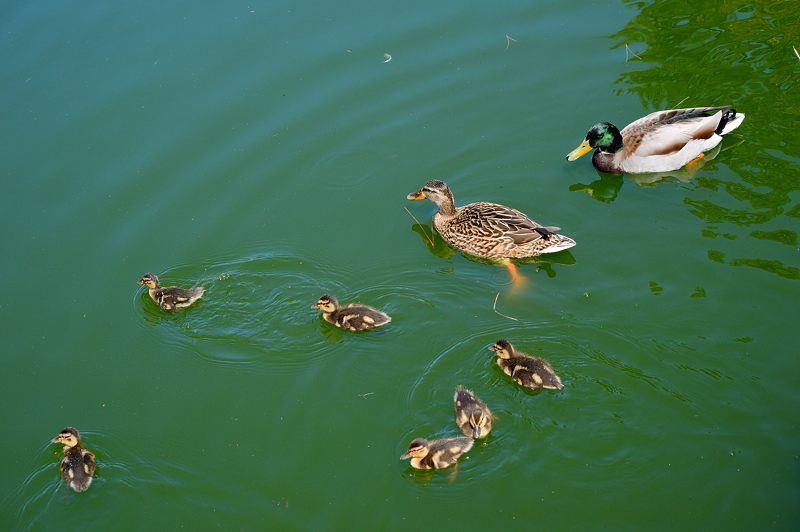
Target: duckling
pixel 170 297
pixel 78 464
pixel 353 317
pixel 659 142
pixel 473 417
pixel 526 370
pixel 436 454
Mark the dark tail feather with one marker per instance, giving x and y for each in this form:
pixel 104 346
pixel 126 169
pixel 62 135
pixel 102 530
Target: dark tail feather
pixel 727 116
pixel 544 231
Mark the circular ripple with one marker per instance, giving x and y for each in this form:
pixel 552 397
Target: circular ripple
pixel 44 488
pixel 256 309
pixel 594 375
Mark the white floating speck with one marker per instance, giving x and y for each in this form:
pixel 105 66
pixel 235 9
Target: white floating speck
pixel 387 58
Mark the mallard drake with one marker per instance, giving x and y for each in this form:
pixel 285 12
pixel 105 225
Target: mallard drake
pixel 78 464
pixel 353 317
pixel 436 454
pixel 473 417
pixel 490 230
pixel 170 297
pixel 526 370
pixel 659 142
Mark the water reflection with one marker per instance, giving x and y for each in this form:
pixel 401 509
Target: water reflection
pixel 604 189
pixel 772 266
pixel 682 175
pixel 436 245
pixel 750 48
pixel 433 241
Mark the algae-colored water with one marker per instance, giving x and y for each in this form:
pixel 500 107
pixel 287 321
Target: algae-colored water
pixel 264 150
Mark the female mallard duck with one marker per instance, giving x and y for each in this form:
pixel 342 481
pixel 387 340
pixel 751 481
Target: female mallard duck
pixel 660 142
pixel 526 370
pixel 353 317
pixel 436 454
pixel 78 464
pixel 490 230
pixel 170 297
pixel 473 417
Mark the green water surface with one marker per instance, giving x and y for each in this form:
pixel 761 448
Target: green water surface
pixel 264 150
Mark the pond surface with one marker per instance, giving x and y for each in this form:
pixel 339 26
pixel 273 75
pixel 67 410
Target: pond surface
pixel 264 150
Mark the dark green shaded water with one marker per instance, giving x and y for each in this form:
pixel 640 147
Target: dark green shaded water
pixel 264 150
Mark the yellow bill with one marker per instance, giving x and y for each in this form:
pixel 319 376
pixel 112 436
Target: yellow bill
pixel 580 151
pixel 415 196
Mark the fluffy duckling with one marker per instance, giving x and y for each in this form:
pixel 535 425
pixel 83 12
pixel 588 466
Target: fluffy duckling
pixel 526 370
pixel 353 317
pixel 170 297
pixel 436 454
pixel 78 464
pixel 473 417
pixel 659 142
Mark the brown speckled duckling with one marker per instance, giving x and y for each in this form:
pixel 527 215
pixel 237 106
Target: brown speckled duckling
pixel 526 370
pixel 78 464
pixel 170 297
pixel 436 454
pixel 353 317
pixel 473 417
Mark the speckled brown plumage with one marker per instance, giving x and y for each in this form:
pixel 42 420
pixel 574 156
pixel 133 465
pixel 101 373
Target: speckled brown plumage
pixel 489 230
pixel 353 317
pixel 78 464
pixel 473 417
pixel 170 297
pixel 526 370
pixel 436 454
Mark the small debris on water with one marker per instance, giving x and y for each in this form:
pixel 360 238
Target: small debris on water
pixel 629 53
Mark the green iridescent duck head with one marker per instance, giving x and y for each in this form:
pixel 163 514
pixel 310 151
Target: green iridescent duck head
pixel 604 136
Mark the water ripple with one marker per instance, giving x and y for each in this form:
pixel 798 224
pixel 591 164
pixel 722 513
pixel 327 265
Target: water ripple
pixel 256 310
